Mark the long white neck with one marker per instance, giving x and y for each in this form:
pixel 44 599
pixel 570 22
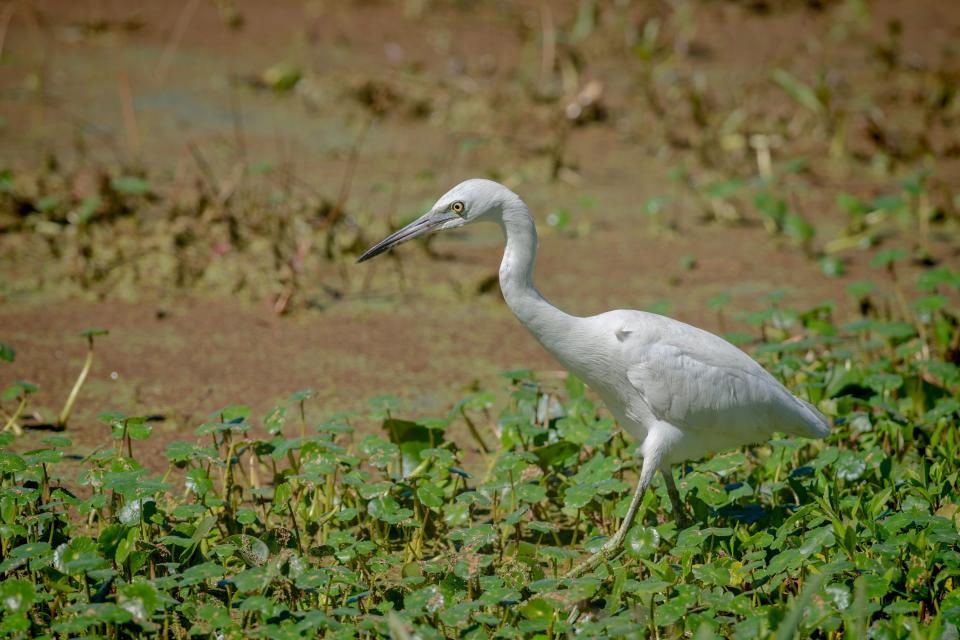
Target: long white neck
pixel 549 325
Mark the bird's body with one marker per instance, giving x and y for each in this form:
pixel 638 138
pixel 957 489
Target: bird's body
pixel 680 391
pixel 668 380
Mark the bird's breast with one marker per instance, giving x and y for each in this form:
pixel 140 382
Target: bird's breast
pixel 598 361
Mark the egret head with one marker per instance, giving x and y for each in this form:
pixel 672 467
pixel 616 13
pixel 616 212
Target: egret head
pixel 469 201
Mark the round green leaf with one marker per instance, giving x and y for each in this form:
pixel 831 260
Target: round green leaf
pixel 11 462
pixel 642 541
pixel 17 595
pixel 140 599
pixel 430 495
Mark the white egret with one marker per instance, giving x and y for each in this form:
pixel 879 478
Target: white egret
pixel 680 391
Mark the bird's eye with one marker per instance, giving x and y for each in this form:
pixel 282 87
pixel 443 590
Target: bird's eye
pixel 457 207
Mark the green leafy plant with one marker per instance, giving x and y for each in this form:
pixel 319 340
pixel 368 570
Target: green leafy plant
pixel 341 530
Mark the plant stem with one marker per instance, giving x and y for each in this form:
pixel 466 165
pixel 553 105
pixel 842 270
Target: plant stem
pixel 12 422
pixel 68 406
pixel 474 432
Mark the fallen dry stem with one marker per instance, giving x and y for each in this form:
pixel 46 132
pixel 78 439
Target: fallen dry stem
pixel 68 406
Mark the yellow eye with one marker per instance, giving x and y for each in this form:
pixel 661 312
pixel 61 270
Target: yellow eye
pixel 457 207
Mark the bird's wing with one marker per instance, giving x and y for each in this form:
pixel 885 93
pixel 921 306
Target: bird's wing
pixel 678 384
pixel 697 381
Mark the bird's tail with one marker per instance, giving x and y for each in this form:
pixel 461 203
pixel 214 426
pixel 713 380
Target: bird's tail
pixel 815 424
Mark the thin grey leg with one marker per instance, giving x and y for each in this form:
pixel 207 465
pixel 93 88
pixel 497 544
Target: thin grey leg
pixel 612 546
pixel 679 512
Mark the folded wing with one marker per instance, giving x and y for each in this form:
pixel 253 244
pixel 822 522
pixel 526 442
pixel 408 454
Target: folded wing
pixel 704 385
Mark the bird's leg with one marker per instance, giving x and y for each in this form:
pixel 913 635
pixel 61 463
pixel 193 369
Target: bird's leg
pixel 612 546
pixel 678 511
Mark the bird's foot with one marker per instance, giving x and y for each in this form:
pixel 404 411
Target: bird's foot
pixel 609 549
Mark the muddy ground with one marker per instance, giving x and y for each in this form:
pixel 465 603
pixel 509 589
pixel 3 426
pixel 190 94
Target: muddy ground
pixel 273 141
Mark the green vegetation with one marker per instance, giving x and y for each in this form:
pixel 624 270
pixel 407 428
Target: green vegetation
pixel 290 526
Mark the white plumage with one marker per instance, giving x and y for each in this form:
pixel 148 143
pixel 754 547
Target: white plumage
pixel 680 391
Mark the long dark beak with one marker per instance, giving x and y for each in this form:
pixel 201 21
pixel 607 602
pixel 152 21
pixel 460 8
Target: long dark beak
pixel 421 226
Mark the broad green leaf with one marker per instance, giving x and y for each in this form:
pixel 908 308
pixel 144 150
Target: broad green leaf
pixel 7 352
pixel 17 596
